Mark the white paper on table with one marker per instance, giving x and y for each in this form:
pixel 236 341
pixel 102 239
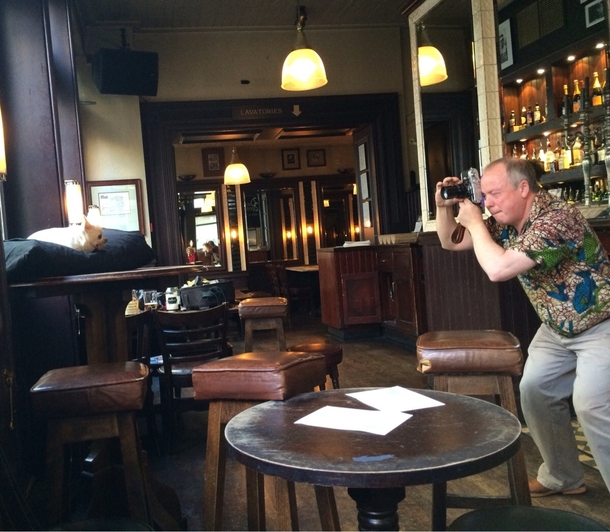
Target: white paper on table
pixel 336 417
pixel 395 399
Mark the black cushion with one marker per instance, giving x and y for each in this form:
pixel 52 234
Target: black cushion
pixel 29 260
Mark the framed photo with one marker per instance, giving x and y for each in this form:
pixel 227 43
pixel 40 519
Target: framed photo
pixel 316 158
pixel 594 13
pixel 505 44
pixel 120 203
pixel 213 162
pixel 291 160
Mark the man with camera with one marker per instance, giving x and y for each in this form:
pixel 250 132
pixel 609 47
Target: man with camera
pixel 565 272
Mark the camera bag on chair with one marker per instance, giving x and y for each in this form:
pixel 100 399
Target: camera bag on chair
pixel 207 295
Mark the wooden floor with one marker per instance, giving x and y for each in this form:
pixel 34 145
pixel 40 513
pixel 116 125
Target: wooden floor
pixel 369 363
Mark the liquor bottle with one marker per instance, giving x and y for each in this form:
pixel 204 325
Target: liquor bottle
pixel 549 157
pixel 576 97
pixel 566 106
pixel 537 114
pixel 541 153
pixel 523 117
pixel 596 95
pixel 514 151
pixel 512 121
pixel 530 116
pixel 524 151
pixel 558 156
pixel 577 152
pixel 567 154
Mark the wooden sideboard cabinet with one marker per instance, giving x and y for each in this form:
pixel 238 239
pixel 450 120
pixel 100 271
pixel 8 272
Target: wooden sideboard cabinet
pixel 401 286
pixel 372 290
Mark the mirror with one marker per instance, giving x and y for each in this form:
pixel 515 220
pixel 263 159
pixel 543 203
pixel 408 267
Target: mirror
pixel 487 144
pixel 199 226
pixel 256 225
pixel 339 218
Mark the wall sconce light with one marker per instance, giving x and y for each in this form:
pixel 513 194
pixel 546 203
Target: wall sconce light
pixel 234 234
pixel 2 152
pixel 94 215
pixel 357 230
pixel 74 202
pixel 236 173
pixel 432 67
pixel 303 68
pixel 326 203
pixel 309 230
pixel 288 234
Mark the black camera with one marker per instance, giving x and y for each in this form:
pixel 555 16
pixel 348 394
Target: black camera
pixel 470 187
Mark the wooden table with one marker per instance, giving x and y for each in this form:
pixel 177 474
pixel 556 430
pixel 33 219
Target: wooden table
pixel 104 297
pixel 306 268
pixel 462 438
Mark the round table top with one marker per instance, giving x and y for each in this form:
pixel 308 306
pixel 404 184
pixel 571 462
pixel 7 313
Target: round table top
pixel 461 438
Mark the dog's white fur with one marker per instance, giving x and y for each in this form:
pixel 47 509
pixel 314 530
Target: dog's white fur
pixel 82 237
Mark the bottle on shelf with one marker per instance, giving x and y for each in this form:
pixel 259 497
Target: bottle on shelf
pixel 549 157
pixel 537 114
pixel 567 154
pixel 512 121
pixel 530 116
pixel 566 106
pixel 558 156
pixel 577 152
pixel 541 153
pixel 576 97
pixel 523 117
pixel 596 94
pixel 524 151
pixel 514 150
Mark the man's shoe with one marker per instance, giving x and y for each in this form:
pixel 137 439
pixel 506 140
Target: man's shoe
pixel 538 490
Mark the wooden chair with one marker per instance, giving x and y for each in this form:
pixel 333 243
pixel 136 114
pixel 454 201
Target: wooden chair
pixel 187 339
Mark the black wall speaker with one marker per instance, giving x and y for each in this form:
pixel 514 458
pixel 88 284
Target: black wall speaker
pixel 125 71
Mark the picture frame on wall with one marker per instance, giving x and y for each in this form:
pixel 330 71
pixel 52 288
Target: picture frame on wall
pixel 120 203
pixel 213 162
pixel 594 13
pixel 291 159
pixel 505 45
pixel 316 157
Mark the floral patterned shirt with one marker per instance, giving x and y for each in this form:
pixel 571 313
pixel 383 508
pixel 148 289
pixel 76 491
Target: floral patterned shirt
pixel 570 284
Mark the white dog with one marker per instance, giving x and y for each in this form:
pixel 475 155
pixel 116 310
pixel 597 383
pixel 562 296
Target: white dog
pixel 82 237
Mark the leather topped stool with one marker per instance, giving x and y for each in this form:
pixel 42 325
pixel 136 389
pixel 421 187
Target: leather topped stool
pixel 93 402
pixel 479 363
pixel 232 385
pixel 263 313
pixel 333 354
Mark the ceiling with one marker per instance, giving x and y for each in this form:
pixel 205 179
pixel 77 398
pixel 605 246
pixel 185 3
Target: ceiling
pixel 264 15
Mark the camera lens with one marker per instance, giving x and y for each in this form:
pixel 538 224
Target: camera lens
pixel 454 191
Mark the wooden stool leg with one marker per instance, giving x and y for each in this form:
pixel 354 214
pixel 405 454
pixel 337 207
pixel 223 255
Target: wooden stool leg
pixel 439 506
pixel 255 498
pixel 286 503
pixel 132 464
pixel 248 336
pixel 327 508
pixel 56 472
pixel 517 470
pixel 215 461
pixel 281 338
pixel 334 375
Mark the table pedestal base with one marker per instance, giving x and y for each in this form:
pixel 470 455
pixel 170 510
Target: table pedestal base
pixel 377 508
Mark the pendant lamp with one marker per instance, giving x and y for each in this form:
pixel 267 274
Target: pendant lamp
pixel 432 67
pixel 303 68
pixel 236 173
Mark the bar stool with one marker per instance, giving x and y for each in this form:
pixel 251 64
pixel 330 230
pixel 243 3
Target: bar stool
pixel 263 313
pixel 232 385
pixel 333 354
pixel 93 402
pixel 480 363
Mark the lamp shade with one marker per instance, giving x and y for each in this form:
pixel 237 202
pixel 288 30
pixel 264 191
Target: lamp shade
pixel 432 67
pixel 74 202
pixel 236 173
pixel 303 68
pixel 2 152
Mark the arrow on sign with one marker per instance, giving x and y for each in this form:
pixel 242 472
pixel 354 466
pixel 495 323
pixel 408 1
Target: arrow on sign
pixel 296 110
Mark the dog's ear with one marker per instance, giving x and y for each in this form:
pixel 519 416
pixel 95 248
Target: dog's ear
pixel 86 223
